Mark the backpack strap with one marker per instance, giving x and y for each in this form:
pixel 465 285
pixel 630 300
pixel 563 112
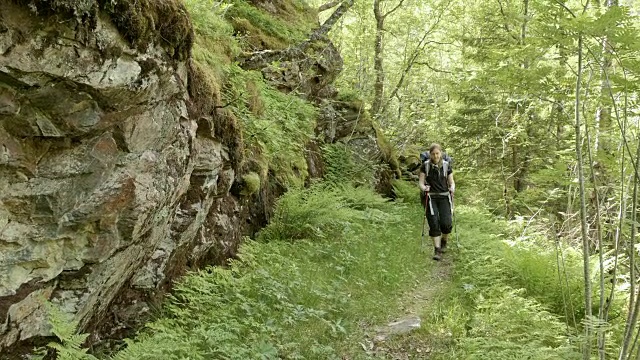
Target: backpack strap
pixel 445 167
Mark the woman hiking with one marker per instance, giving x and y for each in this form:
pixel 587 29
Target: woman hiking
pixel 436 181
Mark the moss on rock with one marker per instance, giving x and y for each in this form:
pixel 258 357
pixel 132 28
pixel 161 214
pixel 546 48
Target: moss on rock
pixel 388 152
pixel 251 184
pixel 141 22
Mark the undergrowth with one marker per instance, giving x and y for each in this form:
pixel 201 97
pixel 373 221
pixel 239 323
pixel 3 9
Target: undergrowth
pixel 342 164
pixel 283 300
pixel 482 313
pixel 259 29
pixel 276 126
pixel 337 261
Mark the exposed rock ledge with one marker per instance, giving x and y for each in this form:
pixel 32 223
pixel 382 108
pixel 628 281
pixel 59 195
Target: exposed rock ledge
pixel 107 189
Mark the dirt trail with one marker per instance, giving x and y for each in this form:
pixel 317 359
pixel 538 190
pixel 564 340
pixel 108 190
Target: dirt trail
pixel 401 338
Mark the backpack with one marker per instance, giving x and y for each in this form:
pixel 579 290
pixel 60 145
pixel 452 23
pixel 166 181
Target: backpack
pixel 446 161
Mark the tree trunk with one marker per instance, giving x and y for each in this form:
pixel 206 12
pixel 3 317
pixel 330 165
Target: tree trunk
pixel 583 210
pixel 601 334
pixel 378 87
pixel 522 166
pixel 328 24
pixel 634 300
pixel 603 113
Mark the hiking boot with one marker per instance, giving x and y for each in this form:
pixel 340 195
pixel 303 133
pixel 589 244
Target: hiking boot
pixel 437 254
pixel 443 246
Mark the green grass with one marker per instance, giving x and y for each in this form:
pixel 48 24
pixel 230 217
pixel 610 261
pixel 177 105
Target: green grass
pixel 489 312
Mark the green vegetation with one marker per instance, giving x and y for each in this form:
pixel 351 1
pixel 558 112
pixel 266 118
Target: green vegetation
pixel 276 126
pixel 337 262
pixel 343 163
pixel 501 85
pixel 259 29
pixel 70 343
pixel 268 127
pixel 251 184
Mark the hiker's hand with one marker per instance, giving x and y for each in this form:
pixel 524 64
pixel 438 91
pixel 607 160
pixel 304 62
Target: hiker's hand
pixel 425 188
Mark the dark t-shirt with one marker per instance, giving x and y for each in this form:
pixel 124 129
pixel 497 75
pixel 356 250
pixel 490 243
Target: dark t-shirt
pixel 436 179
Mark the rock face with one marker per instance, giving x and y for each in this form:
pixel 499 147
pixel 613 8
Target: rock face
pixel 107 188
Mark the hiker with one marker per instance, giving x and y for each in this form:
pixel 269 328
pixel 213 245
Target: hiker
pixel 436 182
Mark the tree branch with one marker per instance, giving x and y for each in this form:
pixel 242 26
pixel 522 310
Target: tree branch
pixel 421 44
pixel 328 5
pixel 505 25
pixel 327 25
pixel 432 68
pixel 566 8
pixel 393 10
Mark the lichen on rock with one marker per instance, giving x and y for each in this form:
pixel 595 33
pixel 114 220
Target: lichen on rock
pixel 99 157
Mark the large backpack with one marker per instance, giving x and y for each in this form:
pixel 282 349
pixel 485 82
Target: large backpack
pixel 425 157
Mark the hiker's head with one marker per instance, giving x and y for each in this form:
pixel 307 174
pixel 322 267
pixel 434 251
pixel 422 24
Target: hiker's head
pixel 436 153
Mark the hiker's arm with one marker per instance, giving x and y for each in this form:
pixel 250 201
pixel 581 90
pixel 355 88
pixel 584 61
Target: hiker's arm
pixel 452 184
pixel 422 181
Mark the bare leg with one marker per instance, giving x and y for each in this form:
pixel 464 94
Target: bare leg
pixel 436 241
pixel 437 250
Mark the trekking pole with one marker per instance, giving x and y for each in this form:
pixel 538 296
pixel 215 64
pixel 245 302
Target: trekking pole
pixel 453 214
pixel 424 219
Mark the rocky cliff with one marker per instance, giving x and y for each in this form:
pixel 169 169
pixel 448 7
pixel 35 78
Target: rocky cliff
pixel 119 169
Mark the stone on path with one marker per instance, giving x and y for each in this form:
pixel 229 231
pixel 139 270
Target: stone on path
pixel 398 327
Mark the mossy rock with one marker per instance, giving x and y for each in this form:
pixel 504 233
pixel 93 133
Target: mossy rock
pixel 255 37
pixel 388 152
pixel 165 22
pixel 271 25
pixel 250 184
pixel 141 22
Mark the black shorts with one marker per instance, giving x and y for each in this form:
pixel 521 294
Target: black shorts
pixel 440 222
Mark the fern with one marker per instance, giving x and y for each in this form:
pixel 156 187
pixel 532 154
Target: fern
pixel 344 166
pixel 70 342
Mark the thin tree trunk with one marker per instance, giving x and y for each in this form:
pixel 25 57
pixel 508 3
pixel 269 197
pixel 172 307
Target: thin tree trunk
pixel 378 66
pixel 632 316
pixel 378 86
pixel 603 113
pixel 616 244
pixel 599 239
pixel 601 337
pixel 583 211
pixel 522 167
